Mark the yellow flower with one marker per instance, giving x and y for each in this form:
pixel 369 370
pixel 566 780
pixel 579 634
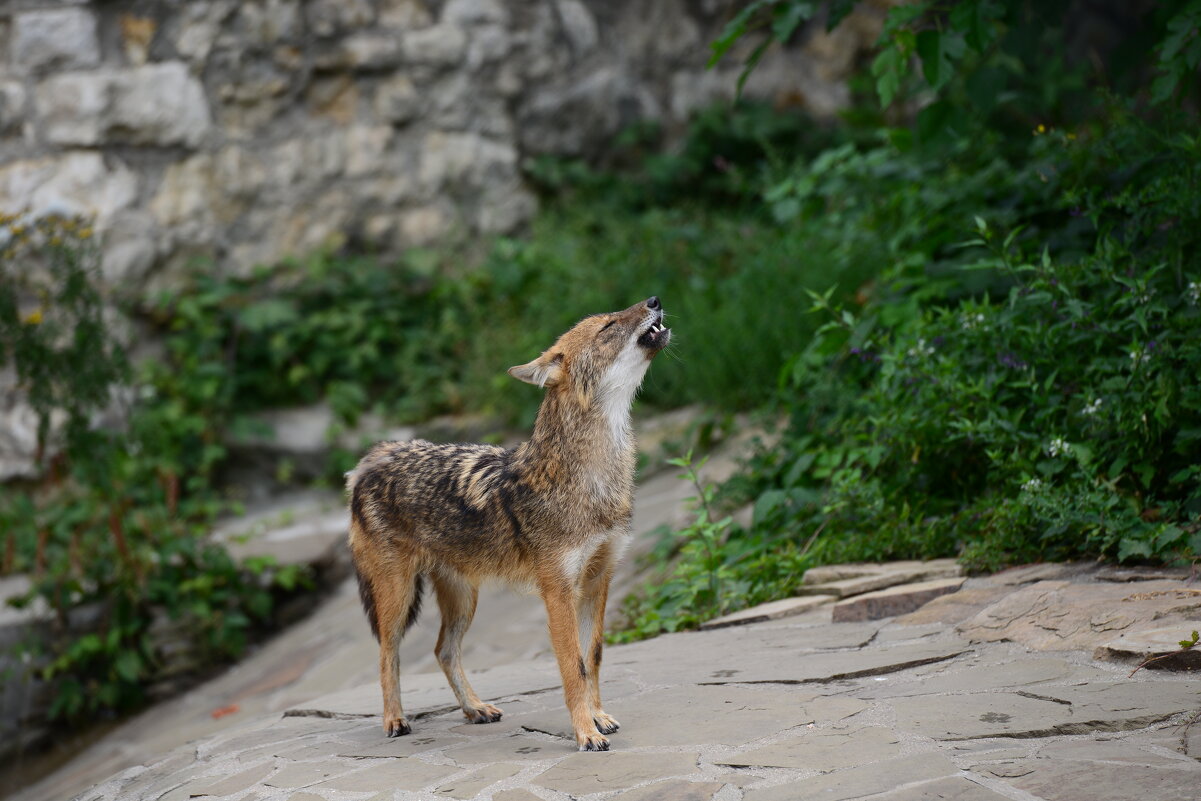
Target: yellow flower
pixel 85 233
pixel 34 317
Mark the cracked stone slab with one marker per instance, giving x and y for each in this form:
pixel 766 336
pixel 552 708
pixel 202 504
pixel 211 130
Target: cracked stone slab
pixel 470 785
pixel 893 601
pixel 584 773
pixel 1071 780
pixel 672 791
pixel 787 607
pixel 519 747
pixel 980 676
pixel 243 780
pixel 955 788
pixel 956 607
pixel 823 750
pixel 1136 646
pixel 424 694
pixel 402 773
pixel 791 667
pixel 856 782
pixel 690 715
pixel 1053 711
pixel 301 774
pixel 1061 616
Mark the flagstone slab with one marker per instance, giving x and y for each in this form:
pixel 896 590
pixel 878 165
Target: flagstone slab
pixel 1052 711
pixel 689 715
pixel 789 666
pixel 470 785
pixel 977 677
pixel 787 607
pixel 894 600
pixel 302 774
pixel 955 788
pixel 516 794
pixel 921 570
pixel 1060 616
pixel 672 791
pixel 243 780
pixel 1071 780
pixel 1160 643
pixel 955 607
pixel 520 747
pixel 823 750
pixel 592 772
pixel 401 773
pixel 856 782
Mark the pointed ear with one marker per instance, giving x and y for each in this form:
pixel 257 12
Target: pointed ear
pixel 541 372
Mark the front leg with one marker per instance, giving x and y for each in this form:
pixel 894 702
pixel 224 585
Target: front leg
pixel 590 613
pixel 565 639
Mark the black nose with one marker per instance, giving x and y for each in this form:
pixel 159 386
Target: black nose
pixel 652 302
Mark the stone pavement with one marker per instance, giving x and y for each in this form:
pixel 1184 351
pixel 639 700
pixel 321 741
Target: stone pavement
pixel 1014 686
pixel 332 649
pixel 942 703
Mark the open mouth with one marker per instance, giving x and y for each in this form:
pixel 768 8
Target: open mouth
pixel 656 336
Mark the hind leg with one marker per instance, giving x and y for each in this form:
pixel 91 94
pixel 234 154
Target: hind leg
pixel 396 589
pixel 456 600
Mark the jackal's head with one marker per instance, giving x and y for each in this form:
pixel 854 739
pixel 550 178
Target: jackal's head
pixel 604 356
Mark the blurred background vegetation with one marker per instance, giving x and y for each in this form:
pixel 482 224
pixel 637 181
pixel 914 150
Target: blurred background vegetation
pixel 975 300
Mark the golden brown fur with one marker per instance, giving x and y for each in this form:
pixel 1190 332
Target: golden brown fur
pixel 554 511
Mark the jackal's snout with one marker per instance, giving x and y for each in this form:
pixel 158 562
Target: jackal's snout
pixel 656 336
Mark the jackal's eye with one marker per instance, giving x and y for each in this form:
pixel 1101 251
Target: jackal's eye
pixel 606 325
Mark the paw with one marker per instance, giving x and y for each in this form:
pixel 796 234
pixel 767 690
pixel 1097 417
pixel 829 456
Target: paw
pixel 484 713
pixel 592 742
pixel 605 723
pixel 395 727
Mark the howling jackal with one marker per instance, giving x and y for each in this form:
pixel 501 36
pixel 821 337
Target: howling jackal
pixel 554 511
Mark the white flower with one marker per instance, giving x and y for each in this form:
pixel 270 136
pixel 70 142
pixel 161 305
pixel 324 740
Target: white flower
pixel 1058 446
pixel 1033 485
pixel 1091 408
pixel 970 321
pixel 921 349
pixel 1137 357
pixel 1194 292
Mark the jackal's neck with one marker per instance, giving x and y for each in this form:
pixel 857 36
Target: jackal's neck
pixel 576 437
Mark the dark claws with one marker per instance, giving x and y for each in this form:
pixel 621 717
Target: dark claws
pixel 591 746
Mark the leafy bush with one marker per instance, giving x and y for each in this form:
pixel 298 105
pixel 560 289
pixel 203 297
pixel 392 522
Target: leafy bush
pixel 114 534
pixel 1026 394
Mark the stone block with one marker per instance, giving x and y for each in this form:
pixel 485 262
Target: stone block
pixel 78 182
pixel 155 104
pixel 327 17
pixel 1138 645
pixel 769 611
pixel 893 601
pixel 954 608
pixel 55 38
pixel 396 100
pixel 900 572
pixel 1061 616
pixel 436 46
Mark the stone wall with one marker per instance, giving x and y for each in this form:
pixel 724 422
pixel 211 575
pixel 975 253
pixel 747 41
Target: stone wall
pixel 248 130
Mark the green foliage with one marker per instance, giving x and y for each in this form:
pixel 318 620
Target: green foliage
pixel 701 588
pixel 114 536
